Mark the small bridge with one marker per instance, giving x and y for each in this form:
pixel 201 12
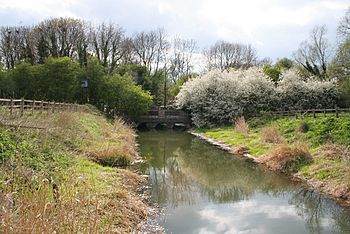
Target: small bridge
pixel 164 119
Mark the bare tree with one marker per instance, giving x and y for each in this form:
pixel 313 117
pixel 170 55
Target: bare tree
pixel 225 55
pixel 60 37
pixel 16 45
pixel 129 56
pixel 107 44
pixel 151 48
pixel 180 61
pixel 314 53
pixel 344 26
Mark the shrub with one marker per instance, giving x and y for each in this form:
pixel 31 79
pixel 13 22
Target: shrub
pixel 294 92
pixel 241 126
pixel 287 159
pixel 271 135
pixel 217 97
pixel 7 146
pixel 304 127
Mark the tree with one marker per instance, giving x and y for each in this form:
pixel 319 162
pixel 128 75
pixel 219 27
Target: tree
pixel 225 55
pixel 275 71
pixel 272 72
pixel 107 44
pixel 61 79
pixel 340 67
pixel 60 37
pixel 180 61
pixel 151 49
pixel 314 53
pixel 122 95
pixel 16 45
pixel 344 26
pixel 7 85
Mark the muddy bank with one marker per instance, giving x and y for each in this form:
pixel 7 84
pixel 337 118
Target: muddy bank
pixel 137 208
pixel 338 192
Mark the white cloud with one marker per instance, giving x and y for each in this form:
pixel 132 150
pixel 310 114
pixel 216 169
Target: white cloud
pixel 258 22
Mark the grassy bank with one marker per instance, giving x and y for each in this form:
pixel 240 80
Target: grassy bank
pixel 313 149
pixel 58 175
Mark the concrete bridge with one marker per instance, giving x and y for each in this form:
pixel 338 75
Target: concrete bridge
pixel 164 119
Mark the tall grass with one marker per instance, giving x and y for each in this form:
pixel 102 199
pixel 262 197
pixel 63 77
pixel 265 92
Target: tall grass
pixel 46 186
pixel 287 159
pixel 241 126
pixel 271 135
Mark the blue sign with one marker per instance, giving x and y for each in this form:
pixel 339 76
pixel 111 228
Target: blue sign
pixel 84 83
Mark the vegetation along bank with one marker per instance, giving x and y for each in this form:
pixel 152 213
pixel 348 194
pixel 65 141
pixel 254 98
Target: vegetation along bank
pixel 313 150
pixel 59 175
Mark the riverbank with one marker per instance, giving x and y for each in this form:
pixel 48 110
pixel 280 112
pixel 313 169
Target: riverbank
pixel 59 173
pixel 314 151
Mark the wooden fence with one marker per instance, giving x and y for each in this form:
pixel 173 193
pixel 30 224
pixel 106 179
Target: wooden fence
pixel 22 105
pixel 337 112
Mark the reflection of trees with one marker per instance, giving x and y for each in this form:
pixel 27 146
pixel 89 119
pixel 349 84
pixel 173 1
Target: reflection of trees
pixel 313 208
pixel 184 170
pixel 224 177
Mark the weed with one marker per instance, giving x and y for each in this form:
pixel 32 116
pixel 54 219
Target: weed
pixel 287 159
pixel 241 126
pixel 334 152
pixel 303 127
pixel 271 135
pixel 47 187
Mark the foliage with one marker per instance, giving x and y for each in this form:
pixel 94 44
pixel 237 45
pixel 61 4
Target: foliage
pixel 121 94
pixel 340 70
pixel 217 97
pixel 272 72
pixel 294 93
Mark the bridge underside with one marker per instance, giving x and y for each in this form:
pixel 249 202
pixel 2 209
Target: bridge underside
pixel 162 125
pixel 164 119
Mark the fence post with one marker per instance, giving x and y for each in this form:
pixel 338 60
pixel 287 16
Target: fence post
pixel 48 107
pixel 314 113
pixel 22 106
pixel 53 107
pixel 41 106
pixel 33 106
pixel 324 113
pixel 336 111
pixel 11 107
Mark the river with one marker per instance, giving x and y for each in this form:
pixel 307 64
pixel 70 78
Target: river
pixel 202 189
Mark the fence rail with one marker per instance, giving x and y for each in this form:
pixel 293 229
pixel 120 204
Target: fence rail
pixel 23 105
pixel 337 112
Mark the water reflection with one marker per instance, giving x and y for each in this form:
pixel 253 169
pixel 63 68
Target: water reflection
pixel 205 190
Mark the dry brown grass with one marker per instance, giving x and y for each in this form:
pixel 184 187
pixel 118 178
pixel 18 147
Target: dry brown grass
pixel 92 198
pixel 241 126
pixel 271 135
pixel 82 207
pixel 334 152
pixel 118 147
pixel 287 159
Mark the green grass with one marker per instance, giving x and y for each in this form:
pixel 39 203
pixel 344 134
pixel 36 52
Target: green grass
pixel 228 136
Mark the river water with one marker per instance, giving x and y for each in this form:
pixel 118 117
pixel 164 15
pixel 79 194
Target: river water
pixel 202 189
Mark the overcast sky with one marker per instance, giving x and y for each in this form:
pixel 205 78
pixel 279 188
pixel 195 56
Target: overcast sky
pixel 274 27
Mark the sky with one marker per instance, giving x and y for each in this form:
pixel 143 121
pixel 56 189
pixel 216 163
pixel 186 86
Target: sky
pixel 274 27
